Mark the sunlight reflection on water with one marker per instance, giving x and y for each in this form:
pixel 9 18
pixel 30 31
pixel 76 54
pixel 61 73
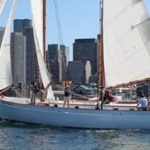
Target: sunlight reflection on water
pixel 21 136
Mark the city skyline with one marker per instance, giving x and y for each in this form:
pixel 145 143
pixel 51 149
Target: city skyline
pixel 77 21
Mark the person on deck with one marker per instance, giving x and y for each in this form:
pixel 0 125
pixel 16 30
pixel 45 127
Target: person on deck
pixel 1 94
pixel 34 90
pixel 106 99
pixel 143 102
pixel 66 97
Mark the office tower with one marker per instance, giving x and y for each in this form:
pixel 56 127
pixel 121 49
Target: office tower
pixel 79 72
pixel 87 72
pixel 53 61
pixel 18 55
pixel 64 58
pixel 86 50
pixel 20 25
pixel 57 60
pixel 32 71
pixel 24 27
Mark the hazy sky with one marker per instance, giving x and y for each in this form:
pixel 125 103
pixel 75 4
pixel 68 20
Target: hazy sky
pixel 78 18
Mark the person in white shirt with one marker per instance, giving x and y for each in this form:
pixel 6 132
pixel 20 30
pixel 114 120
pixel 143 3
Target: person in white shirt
pixel 143 102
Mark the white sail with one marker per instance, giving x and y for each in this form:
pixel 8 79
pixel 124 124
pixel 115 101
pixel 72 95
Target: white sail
pixel 42 67
pixel 37 17
pixel 5 59
pixel 126 41
pixel 2 5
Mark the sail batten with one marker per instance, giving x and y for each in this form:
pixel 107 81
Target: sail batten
pixel 126 41
pixel 5 58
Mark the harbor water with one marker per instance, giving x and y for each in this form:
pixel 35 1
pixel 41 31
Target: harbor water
pixel 18 136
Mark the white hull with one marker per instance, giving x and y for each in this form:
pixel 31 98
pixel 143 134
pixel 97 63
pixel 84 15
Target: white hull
pixel 75 118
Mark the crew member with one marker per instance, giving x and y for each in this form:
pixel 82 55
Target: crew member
pixel 66 97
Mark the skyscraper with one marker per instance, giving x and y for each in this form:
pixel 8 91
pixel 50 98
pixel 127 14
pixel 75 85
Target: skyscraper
pixel 86 50
pixel 57 60
pixel 32 71
pixel 23 29
pixel 53 61
pixel 64 58
pixel 18 54
pixel 79 72
pixel 20 25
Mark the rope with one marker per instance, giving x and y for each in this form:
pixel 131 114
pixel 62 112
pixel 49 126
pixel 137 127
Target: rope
pixel 58 21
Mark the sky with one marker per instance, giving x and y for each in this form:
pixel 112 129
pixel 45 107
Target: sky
pixel 78 19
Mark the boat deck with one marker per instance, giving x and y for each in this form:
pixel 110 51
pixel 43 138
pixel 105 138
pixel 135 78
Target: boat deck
pixel 76 104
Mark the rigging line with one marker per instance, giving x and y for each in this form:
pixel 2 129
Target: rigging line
pixel 60 31
pixel 58 21
pixel 55 4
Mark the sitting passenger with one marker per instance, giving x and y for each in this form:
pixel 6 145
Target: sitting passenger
pixel 107 98
pixel 143 102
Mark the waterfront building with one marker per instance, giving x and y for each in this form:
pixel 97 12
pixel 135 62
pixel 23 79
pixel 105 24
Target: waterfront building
pixel 32 71
pixel 86 50
pixel 18 54
pixel 87 72
pixel 23 28
pixel 64 58
pixel 53 62
pixel 79 72
pixel 57 59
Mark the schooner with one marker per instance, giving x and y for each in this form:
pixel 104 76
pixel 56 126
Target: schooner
pixel 126 58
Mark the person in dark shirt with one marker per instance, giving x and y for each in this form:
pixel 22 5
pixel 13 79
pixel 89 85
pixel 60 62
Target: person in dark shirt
pixel 33 90
pixel 66 97
pixel 106 99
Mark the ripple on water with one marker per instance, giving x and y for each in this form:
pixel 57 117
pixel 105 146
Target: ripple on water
pixel 22 136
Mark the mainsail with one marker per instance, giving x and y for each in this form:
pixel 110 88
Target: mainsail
pixel 37 18
pixel 126 41
pixel 5 59
pixel 2 5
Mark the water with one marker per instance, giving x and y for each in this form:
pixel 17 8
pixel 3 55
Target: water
pixel 15 136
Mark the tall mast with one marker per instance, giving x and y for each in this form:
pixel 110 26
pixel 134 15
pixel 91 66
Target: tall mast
pixel 44 29
pixel 101 53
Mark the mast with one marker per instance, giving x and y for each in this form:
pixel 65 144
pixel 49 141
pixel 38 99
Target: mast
pixel 101 53
pixel 44 29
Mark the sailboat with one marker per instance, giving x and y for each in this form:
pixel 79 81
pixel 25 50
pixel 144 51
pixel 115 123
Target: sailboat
pixel 124 40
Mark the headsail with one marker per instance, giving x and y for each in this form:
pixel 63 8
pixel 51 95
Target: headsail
pixel 5 59
pixel 37 19
pixel 2 5
pixel 43 70
pixel 126 41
